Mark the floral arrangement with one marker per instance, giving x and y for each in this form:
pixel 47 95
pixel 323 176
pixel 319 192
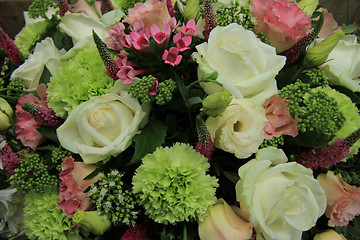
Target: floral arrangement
pixel 169 119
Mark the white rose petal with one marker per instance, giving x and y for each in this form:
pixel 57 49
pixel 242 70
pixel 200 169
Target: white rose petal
pixel 281 201
pixel 45 54
pixel 343 64
pixel 246 66
pixel 239 129
pixel 103 126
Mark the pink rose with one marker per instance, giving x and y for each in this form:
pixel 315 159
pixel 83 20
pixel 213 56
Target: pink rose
pixel 343 200
pixel 73 185
pixel 280 120
pixel 283 22
pixel 26 125
pixel 330 26
pixel 150 12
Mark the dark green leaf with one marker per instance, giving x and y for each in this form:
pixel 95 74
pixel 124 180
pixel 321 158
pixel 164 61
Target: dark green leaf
pixel 233 177
pixel 151 137
pixel 92 174
pixel 194 100
pixel 48 132
pixel 45 76
pixel 350 28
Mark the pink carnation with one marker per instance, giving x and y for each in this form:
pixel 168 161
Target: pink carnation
pixel 150 12
pixel 73 185
pixel 283 22
pixel 26 125
pixel 280 120
pixel 343 200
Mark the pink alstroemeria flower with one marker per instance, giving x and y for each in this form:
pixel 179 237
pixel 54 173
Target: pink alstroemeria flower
pixel 182 43
pixel 171 57
pixel 160 36
pixel 189 29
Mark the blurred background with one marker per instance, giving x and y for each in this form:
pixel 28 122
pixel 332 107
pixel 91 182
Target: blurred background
pixel 12 20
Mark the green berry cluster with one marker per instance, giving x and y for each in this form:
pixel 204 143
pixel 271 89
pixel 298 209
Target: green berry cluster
pixel 317 77
pixel 38 8
pixel 33 174
pixel 58 155
pixel 273 142
pixel 316 110
pixel 113 200
pixel 16 87
pixel 140 89
pixel 2 82
pixel 234 13
pixel 165 92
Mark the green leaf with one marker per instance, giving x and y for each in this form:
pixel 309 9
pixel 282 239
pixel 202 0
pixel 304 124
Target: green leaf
pixel 350 28
pixel 194 100
pixel 151 137
pixel 92 174
pixel 45 76
pixel 233 177
pixel 48 132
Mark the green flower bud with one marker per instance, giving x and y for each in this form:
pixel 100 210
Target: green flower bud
pixel 92 221
pixel 6 113
pixel 318 54
pixel 216 103
pixel 308 6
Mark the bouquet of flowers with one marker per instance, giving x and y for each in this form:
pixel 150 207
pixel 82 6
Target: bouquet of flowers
pixel 171 119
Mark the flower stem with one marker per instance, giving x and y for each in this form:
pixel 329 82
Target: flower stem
pixel 185 232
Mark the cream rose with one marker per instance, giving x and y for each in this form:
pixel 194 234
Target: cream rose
pixel 343 64
pixel 239 129
pixel 329 235
pixel 225 222
pixel 246 66
pixel 281 199
pixel 102 127
pixel 46 55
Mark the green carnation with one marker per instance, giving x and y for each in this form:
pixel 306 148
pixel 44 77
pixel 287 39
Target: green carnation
pixel 81 77
pixel 173 184
pixel 29 36
pixel 351 113
pixel 43 219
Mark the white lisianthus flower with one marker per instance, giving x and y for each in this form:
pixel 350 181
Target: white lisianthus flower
pixel 45 54
pixel 103 126
pixel 239 129
pixel 246 66
pixel 343 64
pixel 281 199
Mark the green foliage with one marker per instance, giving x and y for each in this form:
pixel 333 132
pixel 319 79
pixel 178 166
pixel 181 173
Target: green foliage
pixel 151 136
pixel 113 200
pixel 234 13
pixel 38 8
pixel 33 174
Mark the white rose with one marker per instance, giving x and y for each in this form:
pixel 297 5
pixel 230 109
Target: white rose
pixel 103 126
pixel 239 129
pixel 343 64
pixel 246 66
pixel 45 54
pixel 281 200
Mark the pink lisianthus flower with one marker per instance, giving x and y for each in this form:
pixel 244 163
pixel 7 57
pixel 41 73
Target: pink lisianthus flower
pixel 343 200
pixel 26 126
pixel 171 57
pixel 150 12
pixel 330 26
pixel 283 22
pixel 280 120
pixel 82 6
pixel 73 185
